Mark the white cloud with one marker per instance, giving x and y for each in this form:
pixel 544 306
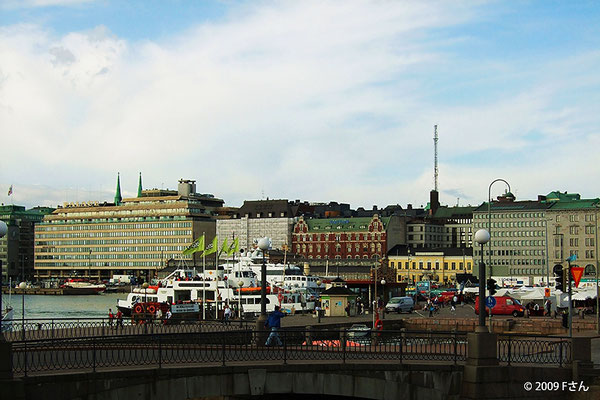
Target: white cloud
pixel 312 100
pixel 41 3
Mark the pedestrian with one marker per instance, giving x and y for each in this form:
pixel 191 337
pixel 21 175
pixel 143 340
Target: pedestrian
pixel 111 317
pixel 431 309
pixel 347 309
pixel 548 306
pixel 274 323
pixel 227 314
pixel 168 317
pixel 159 314
pixel 453 304
pixel 119 320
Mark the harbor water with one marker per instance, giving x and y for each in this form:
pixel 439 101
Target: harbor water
pixel 39 306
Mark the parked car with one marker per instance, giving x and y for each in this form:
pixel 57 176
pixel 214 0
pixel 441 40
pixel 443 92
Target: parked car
pixel 505 305
pixel 400 304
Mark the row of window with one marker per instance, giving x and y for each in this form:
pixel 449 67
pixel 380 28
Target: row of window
pixel 429 265
pixel 110 241
pixel 112 234
pixel 113 264
pixel 303 248
pixel 338 237
pixel 124 226
pixel 484 215
pixel 94 250
pixel 109 256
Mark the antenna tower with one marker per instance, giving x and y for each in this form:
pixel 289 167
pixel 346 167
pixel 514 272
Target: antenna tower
pixel 435 158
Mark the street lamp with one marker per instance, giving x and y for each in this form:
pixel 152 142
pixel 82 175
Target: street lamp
pixel 481 237
pixel 263 245
pixel 240 285
pixel 3 230
pixel 319 303
pixel 383 297
pixel 489 230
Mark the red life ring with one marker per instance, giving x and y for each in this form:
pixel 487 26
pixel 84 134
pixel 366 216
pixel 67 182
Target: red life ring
pixel 151 309
pixel 379 325
pixel 138 308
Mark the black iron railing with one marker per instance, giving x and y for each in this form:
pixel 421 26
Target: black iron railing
pixel 534 349
pixel 236 346
pixel 73 328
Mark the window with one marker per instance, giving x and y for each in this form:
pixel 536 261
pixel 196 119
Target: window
pixel 574 230
pixel 453 266
pixel 446 266
pixel 574 242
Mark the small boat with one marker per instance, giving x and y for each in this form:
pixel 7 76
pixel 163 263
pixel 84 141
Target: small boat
pixel 82 286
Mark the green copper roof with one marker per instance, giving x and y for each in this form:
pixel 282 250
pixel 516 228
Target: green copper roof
pixel 345 224
pixel 576 204
pixel 559 196
pixel 118 197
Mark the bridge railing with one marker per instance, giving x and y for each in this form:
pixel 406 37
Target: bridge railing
pixel 534 349
pixel 234 347
pixel 71 328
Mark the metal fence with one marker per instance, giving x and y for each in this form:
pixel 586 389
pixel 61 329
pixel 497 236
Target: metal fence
pixel 534 349
pixel 73 328
pixel 240 346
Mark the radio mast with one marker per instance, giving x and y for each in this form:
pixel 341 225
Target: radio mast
pixel 435 159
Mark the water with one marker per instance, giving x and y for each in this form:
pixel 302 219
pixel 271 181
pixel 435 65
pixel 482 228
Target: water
pixel 40 306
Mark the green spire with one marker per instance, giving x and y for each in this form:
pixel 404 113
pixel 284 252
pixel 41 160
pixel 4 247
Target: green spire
pixel 118 197
pixel 140 186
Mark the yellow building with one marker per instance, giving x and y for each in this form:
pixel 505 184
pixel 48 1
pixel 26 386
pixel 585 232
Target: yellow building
pixel 130 236
pixel 438 265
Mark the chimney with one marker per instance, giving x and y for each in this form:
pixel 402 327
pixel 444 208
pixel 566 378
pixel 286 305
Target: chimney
pixel 434 202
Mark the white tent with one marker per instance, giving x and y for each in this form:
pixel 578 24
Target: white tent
pixel 587 294
pixel 535 294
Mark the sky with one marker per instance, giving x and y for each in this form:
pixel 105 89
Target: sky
pixel 312 100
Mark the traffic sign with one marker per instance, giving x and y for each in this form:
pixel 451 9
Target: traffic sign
pixel 577 273
pixel 490 302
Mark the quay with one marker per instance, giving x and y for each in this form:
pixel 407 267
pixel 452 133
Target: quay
pixel 62 291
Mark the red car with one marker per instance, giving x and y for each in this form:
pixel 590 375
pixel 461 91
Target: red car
pixel 505 305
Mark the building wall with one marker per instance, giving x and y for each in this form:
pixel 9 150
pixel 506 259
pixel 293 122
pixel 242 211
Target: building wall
pixel 138 236
pixel 248 229
pixel 430 265
pixel 334 239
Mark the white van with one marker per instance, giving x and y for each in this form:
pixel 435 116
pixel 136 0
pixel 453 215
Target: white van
pixel 400 304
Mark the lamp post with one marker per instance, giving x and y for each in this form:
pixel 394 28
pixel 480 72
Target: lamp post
pixel 383 297
pixel 3 230
pixel 319 303
pixel 481 237
pixel 240 285
pixel 489 230
pixel 263 245
pixel 597 287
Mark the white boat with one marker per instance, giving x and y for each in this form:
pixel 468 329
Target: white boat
pixel 215 288
pixel 84 286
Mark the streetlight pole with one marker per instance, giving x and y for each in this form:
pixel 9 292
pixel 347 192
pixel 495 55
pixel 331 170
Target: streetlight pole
pixel 482 237
pixel 547 257
pixel 383 298
pixel 489 230
pixel 597 288
pixel 3 230
pixel 240 285
pixel 263 245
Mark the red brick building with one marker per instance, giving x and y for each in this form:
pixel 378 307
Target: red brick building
pixel 346 238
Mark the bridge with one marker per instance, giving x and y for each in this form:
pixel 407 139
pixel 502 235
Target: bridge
pixel 203 360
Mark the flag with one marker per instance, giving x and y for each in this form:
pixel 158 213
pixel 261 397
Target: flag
pixel 212 248
pixel 198 245
pixel 224 247
pixel 572 258
pixel 10 190
pixel 235 247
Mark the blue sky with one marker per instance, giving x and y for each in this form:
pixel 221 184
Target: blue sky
pixel 316 100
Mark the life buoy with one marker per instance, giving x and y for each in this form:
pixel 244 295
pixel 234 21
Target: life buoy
pixel 151 309
pixel 138 308
pixel 379 325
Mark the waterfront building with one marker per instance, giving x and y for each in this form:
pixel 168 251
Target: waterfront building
pixel 346 238
pixel 16 248
pixel 573 230
pixel 128 236
pixel 260 218
pixel 430 264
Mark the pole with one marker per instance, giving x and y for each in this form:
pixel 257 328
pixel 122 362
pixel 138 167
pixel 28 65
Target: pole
pixel 481 292
pixel 203 282
pixel 570 299
pixel 263 287
pixel 597 288
pixel 490 220
pixel 1 309
pixel 547 257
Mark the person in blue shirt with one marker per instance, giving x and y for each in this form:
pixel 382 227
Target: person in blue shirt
pixel 274 322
